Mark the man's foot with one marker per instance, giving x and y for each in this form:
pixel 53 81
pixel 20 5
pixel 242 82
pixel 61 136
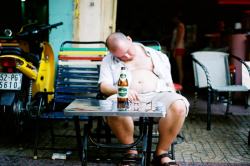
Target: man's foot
pixel 130 158
pixel 131 154
pixel 163 160
pixel 132 151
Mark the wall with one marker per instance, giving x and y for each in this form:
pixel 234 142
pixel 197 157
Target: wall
pixel 60 10
pixel 83 20
pixel 97 19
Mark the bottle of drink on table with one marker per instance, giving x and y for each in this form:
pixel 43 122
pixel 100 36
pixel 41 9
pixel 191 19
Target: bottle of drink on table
pixel 122 95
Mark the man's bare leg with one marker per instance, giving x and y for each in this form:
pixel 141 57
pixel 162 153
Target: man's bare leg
pixel 170 126
pixel 123 128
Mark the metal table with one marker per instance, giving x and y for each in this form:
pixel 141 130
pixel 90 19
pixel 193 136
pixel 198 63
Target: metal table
pixel 102 108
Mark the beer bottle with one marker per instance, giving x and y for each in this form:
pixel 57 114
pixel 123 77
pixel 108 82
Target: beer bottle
pixel 122 93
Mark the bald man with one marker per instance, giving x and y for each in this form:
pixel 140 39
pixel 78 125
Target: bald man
pixel 149 75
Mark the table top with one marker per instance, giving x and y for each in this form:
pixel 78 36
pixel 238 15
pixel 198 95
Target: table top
pixel 94 107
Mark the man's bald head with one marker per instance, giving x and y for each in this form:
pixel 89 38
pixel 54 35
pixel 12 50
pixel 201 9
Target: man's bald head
pixel 115 39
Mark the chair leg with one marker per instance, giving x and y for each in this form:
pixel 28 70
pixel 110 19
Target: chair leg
pixel 36 137
pixel 229 98
pixel 84 157
pixel 149 143
pixel 172 151
pixel 181 137
pixel 78 137
pixel 42 100
pixel 209 110
pixel 107 133
pixel 246 100
pixel 194 108
pixel 52 134
pixel 195 101
pixel 99 128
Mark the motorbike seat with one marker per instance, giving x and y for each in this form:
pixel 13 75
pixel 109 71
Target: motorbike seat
pixel 30 57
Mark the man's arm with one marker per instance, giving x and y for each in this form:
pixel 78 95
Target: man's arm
pixel 164 70
pixel 107 89
pixel 106 80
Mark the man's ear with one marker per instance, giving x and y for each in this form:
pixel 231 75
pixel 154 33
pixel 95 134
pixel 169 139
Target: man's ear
pixel 129 38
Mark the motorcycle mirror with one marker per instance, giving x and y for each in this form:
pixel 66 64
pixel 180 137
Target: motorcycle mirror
pixel 8 32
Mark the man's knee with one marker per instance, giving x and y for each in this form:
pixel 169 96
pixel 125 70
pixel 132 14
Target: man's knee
pixel 179 108
pixel 118 119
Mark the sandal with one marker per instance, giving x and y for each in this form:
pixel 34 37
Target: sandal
pixel 157 160
pixel 130 158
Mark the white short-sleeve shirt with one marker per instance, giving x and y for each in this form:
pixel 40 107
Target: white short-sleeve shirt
pixel 111 66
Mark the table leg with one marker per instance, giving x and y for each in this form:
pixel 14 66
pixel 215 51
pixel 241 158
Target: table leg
pixel 78 137
pixel 149 146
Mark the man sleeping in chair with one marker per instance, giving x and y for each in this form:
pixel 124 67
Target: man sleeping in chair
pixel 149 75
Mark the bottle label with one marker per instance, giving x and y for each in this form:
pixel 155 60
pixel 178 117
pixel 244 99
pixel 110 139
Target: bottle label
pixel 122 92
pixel 123 76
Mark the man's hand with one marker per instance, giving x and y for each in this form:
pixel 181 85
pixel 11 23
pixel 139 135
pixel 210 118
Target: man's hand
pixel 133 95
pixel 107 89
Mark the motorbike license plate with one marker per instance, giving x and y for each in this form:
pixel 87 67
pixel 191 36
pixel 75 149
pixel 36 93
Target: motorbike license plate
pixel 10 81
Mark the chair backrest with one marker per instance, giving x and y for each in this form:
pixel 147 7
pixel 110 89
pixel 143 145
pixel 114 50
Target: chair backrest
pixel 152 43
pixel 245 75
pixel 217 66
pixel 78 70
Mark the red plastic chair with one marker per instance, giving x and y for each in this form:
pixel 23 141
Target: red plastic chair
pixel 178 87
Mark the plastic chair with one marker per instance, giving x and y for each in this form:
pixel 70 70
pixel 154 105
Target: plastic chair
pixel 246 82
pixel 211 71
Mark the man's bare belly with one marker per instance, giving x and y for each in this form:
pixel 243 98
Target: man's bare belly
pixel 143 81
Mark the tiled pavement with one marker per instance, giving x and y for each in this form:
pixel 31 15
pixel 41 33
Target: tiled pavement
pixel 225 143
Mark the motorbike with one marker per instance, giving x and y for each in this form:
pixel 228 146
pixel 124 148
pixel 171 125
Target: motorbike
pixel 27 72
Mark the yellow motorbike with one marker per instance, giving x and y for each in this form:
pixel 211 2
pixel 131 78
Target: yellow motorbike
pixel 27 70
